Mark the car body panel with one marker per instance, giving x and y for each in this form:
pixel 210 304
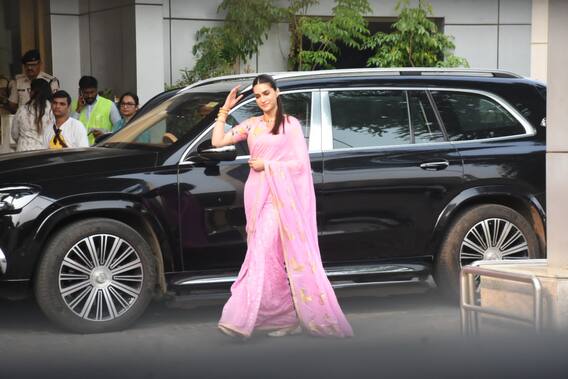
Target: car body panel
pixel 377 208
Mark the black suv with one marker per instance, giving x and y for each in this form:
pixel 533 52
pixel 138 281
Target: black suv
pixel 416 172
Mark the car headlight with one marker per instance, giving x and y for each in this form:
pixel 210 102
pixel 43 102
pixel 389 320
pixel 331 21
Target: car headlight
pixel 17 197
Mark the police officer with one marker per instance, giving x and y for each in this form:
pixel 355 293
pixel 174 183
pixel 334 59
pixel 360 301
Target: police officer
pixel 20 86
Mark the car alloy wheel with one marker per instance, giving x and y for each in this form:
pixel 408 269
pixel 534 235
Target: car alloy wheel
pixel 95 275
pixel 101 277
pixel 483 232
pixel 493 239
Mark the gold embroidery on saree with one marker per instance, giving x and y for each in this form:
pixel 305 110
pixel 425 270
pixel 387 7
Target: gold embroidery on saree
pixel 287 233
pixel 305 298
pixel 296 266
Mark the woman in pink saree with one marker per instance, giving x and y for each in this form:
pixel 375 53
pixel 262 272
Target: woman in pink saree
pixel 282 286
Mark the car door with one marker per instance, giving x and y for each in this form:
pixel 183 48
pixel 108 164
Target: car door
pixel 388 172
pixel 212 212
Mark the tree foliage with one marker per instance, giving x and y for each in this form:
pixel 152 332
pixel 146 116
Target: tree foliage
pixel 414 42
pixel 347 25
pixel 219 48
pixel 295 13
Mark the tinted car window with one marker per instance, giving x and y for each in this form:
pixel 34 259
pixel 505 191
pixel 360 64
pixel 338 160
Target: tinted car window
pixel 469 116
pixel 178 117
pixel 298 105
pixel 425 126
pixel 369 118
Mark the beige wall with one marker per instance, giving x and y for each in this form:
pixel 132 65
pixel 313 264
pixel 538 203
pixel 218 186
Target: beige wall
pixel 539 40
pixel 557 135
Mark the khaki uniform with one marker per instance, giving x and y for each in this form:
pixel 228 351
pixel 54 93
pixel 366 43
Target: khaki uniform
pixel 20 87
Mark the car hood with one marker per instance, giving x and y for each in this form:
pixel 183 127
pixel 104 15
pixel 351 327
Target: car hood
pixel 30 167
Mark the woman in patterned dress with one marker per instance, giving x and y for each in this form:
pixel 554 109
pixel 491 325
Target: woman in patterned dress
pixel 33 118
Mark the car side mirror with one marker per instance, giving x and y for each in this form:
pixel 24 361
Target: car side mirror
pixel 206 152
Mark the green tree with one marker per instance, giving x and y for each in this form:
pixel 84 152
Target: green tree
pixel 414 42
pixel 294 15
pixel 347 25
pixel 219 48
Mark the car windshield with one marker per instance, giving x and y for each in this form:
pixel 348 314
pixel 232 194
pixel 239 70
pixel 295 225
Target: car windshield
pixel 180 117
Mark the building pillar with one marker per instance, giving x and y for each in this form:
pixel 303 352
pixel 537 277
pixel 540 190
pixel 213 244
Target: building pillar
pixel 552 275
pixel 149 49
pixel 557 135
pixel 539 39
pixel 65 44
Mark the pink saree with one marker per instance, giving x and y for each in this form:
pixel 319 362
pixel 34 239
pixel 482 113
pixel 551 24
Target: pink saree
pixel 282 283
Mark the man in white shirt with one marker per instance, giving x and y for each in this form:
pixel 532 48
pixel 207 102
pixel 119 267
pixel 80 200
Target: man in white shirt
pixel 67 131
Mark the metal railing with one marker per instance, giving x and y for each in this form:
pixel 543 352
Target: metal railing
pixel 469 307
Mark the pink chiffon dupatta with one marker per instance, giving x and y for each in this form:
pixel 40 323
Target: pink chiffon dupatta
pixel 290 183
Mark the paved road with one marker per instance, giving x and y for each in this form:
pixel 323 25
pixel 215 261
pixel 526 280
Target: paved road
pixel 403 331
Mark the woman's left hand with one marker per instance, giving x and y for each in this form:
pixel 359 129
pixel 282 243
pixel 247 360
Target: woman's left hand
pixel 256 164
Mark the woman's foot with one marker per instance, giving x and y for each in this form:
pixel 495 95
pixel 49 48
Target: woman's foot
pixel 285 332
pixel 231 333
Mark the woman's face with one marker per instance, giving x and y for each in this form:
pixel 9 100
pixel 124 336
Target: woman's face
pixel 265 96
pixel 128 106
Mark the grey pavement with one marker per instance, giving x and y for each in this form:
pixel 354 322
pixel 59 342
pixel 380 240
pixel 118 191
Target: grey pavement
pixel 400 331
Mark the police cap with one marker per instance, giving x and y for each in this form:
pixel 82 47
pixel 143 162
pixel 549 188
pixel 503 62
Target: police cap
pixel 30 56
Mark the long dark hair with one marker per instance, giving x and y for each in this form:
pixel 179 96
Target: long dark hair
pixel 40 94
pixel 279 120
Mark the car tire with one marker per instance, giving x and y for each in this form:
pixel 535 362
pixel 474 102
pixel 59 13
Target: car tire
pixel 502 223
pixel 96 275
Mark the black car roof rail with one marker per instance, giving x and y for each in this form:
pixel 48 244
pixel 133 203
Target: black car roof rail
pixel 405 71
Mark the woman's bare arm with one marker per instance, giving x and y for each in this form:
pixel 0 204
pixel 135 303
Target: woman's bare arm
pixel 220 138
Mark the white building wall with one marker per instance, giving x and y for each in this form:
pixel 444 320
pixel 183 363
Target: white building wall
pixel 112 45
pixel 124 43
pixel 490 34
pixel 65 43
pixel 539 40
pixel 149 62
pixel 120 42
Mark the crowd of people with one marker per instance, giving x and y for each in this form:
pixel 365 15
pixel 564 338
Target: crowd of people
pixel 47 118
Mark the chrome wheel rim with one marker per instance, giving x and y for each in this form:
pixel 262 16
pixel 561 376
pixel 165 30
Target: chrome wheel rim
pixel 493 239
pixel 101 277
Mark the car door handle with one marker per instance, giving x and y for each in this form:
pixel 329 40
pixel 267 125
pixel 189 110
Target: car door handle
pixel 439 165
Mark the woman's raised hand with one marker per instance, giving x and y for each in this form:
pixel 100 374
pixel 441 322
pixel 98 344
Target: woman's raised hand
pixel 232 98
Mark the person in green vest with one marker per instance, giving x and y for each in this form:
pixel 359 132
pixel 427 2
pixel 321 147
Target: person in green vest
pixel 95 112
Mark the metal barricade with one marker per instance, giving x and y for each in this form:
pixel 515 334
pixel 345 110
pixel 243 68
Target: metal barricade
pixel 470 310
